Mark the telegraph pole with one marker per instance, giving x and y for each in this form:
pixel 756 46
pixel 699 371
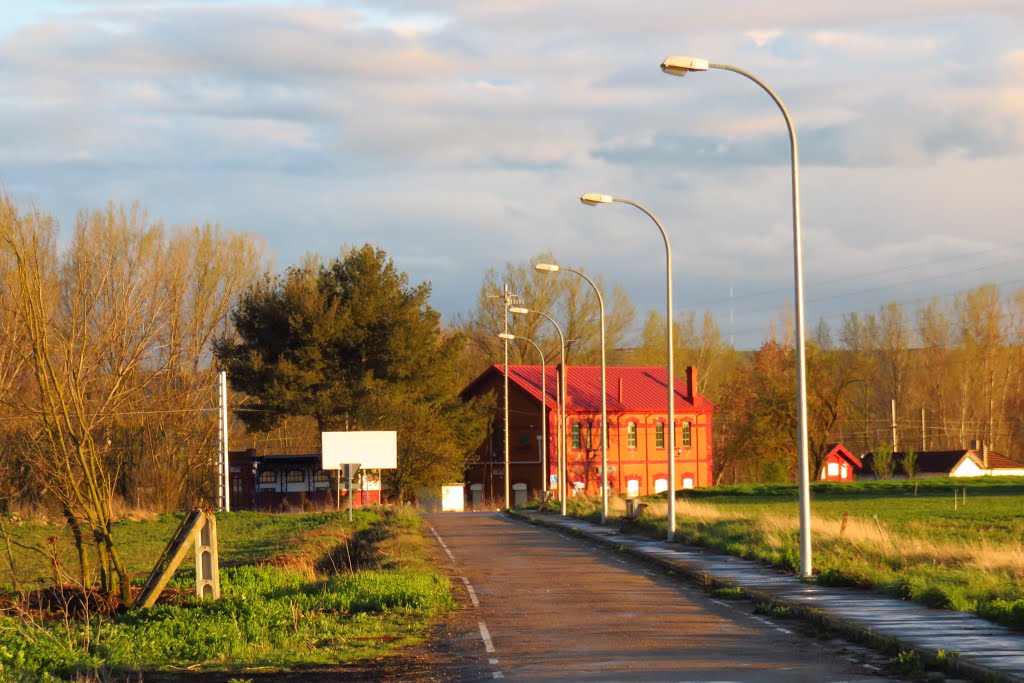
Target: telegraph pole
pixel 223 466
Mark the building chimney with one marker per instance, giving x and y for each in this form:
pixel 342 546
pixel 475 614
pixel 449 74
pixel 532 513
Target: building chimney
pixel 691 381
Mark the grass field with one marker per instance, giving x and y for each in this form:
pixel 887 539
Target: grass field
pixel 908 542
pixel 298 591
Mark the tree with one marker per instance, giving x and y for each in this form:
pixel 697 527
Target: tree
pixel 95 333
pixel 882 461
pixel 566 297
pixel 354 346
pixel 909 462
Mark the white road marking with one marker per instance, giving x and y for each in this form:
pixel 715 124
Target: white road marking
pixel 485 635
pixel 472 593
pixel 769 623
pixel 441 541
pixel 492 660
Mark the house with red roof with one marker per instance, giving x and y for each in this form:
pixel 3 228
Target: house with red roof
pixel 637 400
pixel 839 464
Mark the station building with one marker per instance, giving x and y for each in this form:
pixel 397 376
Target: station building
pixel 637 408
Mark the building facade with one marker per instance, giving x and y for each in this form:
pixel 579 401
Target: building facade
pixel 637 400
pixel 275 483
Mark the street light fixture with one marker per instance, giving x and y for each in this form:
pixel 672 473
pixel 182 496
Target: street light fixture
pixel 554 268
pixel 520 310
pixel 680 66
pixel 543 408
pixel 593 199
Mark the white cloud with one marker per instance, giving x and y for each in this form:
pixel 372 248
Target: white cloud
pixel 465 134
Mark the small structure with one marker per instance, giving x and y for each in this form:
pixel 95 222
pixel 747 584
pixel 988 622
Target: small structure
pixel 447 498
pixel 839 464
pixel 976 461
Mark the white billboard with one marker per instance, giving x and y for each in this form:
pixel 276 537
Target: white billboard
pixel 366 450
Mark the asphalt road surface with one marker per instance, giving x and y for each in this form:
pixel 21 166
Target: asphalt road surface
pixel 541 606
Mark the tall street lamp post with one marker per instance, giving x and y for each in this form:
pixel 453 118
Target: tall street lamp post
pixel 680 66
pixel 519 310
pixel 554 268
pixel 592 199
pixel 543 408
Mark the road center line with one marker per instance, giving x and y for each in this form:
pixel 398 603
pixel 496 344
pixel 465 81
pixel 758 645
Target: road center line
pixel 441 541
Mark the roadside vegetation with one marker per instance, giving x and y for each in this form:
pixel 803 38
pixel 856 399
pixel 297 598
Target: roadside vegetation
pixel 903 538
pixel 299 590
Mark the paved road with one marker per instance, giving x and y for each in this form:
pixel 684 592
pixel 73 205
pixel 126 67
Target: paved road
pixel 548 607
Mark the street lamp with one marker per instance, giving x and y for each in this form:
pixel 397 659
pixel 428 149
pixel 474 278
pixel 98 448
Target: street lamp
pixel 592 199
pixel 519 310
pixel 543 408
pixel 680 66
pixel 554 268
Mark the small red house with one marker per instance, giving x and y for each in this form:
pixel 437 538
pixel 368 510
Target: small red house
pixel 637 400
pixel 839 464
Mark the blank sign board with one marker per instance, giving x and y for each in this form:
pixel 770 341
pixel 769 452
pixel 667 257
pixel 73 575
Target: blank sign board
pixel 368 450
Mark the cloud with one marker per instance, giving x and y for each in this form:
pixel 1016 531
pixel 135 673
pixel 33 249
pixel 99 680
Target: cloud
pixel 461 136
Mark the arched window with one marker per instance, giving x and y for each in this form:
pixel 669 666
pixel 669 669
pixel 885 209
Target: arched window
pixel 631 435
pixel 686 434
pixel 659 434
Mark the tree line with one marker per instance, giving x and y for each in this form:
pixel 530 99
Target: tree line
pixel 954 368
pixel 111 339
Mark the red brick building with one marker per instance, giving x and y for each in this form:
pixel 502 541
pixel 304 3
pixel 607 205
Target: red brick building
pixel 637 432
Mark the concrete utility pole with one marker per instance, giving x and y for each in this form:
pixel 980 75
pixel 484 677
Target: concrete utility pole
pixel 223 467
pixel 894 446
pixel 504 318
pixel 924 434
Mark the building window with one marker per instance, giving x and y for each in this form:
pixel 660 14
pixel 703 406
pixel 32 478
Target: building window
pixel 268 477
pixel 660 485
pixel 659 434
pixel 844 471
pixel 632 488
pixel 687 482
pixel 321 476
pixel 296 476
pixel 576 439
pixel 686 435
pixel 833 469
pixel 631 435
pixel 236 487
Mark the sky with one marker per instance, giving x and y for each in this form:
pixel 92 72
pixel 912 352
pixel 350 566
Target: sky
pixel 459 135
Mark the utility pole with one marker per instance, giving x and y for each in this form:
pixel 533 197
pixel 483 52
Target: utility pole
pixel 508 300
pixel 223 466
pixel 894 447
pixel 924 437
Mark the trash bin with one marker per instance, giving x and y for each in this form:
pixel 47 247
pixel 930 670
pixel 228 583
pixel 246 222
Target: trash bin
pixel 630 506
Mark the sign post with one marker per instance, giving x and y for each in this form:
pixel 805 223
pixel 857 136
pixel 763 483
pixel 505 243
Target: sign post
pixel 350 451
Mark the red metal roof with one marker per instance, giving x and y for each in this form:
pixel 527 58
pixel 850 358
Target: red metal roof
pixel 638 389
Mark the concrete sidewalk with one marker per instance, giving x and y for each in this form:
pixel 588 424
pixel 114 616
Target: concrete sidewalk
pixel 973 647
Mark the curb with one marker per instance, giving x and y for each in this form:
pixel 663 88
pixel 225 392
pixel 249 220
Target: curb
pixel 817 616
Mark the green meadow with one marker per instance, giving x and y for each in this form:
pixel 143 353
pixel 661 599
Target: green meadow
pixel 298 590
pixel 909 539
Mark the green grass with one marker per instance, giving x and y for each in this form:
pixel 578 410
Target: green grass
pixel 244 537
pixel 281 615
pixel 914 546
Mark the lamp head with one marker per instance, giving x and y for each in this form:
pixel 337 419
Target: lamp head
pixel 518 309
pixel 546 267
pixel 680 66
pixel 506 337
pixel 592 198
